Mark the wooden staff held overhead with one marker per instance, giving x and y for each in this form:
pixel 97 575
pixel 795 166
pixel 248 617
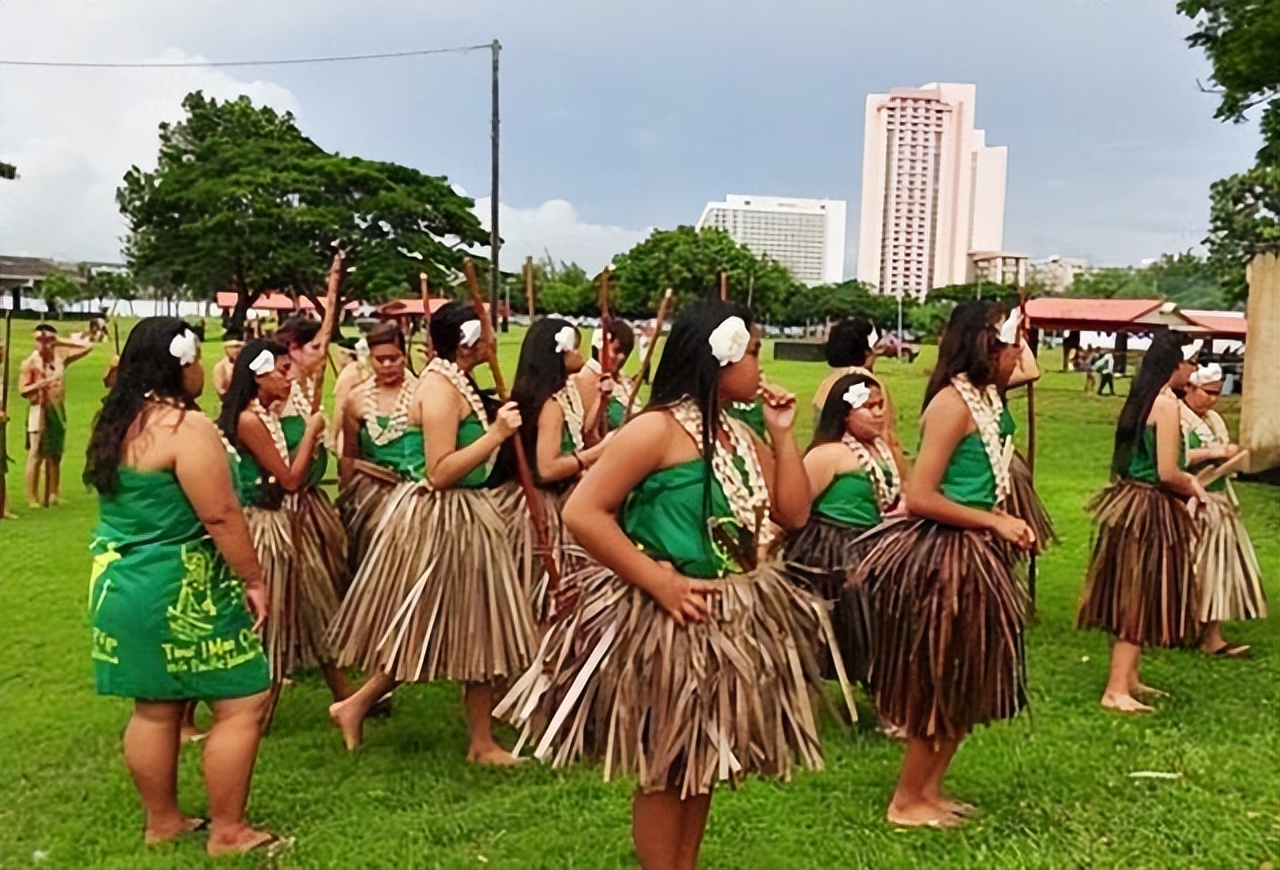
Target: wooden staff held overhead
pixel 606 355
pixel 648 354
pixel 530 292
pixel 332 297
pixel 524 474
pixel 115 335
pixel 1032 567
pixel 724 285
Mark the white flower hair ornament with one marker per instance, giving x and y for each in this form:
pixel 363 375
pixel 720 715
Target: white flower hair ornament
pixel 1189 351
pixel 183 347
pixel 597 338
pixel 1009 329
pixel 873 338
pixel 362 349
pixel 566 339
pixel 264 363
pixel 1210 374
pixel 729 341
pixel 856 395
pixel 471 332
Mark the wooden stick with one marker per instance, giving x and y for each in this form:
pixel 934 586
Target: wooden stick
pixel 4 416
pixel 606 356
pixel 524 474
pixel 115 334
pixel 648 354
pixel 1216 472
pixel 724 285
pixel 529 290
pixel 426 309
pixel 337 272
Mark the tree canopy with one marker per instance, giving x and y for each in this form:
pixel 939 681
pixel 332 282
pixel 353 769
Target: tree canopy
pixel 240 199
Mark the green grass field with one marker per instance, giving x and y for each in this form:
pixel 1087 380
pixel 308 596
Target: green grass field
pixel 1055 785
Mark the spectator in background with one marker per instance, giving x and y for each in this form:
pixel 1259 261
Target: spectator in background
pixel 1105 366
pixel 1085 361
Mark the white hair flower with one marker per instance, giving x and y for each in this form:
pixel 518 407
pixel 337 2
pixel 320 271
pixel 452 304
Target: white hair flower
pixel 362 349
pixel 856 395
pixel 1009 329
pixel 183 347
pixel 566 339
pixel 1210 374
pixel 873 338
pixel 1189 351
pixel 264 363
pixel 597 338
pixel 471 332
pixel 729 341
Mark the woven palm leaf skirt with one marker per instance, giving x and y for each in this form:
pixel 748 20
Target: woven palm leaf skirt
pixel 1228 574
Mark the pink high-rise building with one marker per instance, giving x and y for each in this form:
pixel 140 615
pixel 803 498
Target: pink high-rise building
pixel 932 190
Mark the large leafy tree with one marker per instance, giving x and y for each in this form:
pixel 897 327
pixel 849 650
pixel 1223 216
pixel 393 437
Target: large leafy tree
pixel 689 262
pixel 240 199
pixel 1240 38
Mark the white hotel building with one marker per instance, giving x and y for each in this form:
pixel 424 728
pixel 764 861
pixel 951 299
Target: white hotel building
pixel 805 235
pixel 932 190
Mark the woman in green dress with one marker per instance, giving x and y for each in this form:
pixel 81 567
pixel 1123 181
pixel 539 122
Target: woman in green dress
pixel 948 612
pixel 1229 577
pixel 687 660
pixel 855 477
pixel 555 438
pixel 450 606
pixel 272 480
pixel 176 595
pixel 1140 586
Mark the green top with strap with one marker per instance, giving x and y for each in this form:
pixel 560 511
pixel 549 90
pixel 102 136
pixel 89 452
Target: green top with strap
pixel 616 411
pixel 1142 464
pixel 248 479
pixel 294 427
pixel 850 500
pixel 751 413
pixel 1007 426
pixel 168 615
pixel 664 517
pixel 968 479
pixel 405 454
pixel 567 447
pixel 1194 442
pixel 471 430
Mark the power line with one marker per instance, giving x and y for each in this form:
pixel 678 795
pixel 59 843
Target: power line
pixel 290 61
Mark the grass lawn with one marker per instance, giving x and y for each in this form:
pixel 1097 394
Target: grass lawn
pixel 1055 785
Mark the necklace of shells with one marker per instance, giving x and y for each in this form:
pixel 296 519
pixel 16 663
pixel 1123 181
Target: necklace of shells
pixel 887 488
pixel 398 419
pixel 570 402
pixel 272 422
pixel 456 376
pixel 298 403
pixel 747 493
pixel 986 407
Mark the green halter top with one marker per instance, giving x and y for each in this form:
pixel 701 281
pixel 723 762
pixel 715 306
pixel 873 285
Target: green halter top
pixel 168 615
pixel 968 479
pixel 405 454
pixel 1142 464
pixel 850 500
pixel 471 430
pixel 751 413
pixel 294 427
pixel 664 517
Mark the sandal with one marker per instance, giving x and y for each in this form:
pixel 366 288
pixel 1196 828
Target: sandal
pixel 1230 651
pixel 267 840
pixel 194 824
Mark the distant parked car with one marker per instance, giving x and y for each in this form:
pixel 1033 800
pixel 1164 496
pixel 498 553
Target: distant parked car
pixel 888 346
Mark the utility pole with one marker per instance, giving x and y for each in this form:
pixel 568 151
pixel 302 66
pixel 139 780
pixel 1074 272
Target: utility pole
pixel 495 241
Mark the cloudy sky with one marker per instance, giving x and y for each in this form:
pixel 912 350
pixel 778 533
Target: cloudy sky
pixel 621 117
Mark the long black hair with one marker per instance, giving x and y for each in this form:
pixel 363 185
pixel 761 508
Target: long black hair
pixel 968 346
pixel 540 374
pixel 446 327
pixel 297 331
pixel 835 410
pixel 1158 365
pixel 847 343
pixel 147 368
pixel 243 388
pixel 621 332
pixel 689 369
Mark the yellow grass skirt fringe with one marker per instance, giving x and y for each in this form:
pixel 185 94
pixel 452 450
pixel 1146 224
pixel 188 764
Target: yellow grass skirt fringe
pixel 949 615
pixel 1229 577
pixel 679 706
pixel 1140 585
pixel 437 597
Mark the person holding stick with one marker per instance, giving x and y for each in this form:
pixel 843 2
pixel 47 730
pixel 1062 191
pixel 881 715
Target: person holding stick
pixel 948 650
pixel 271 479
pixel 453 608
pixel 1228 575
pixel 600 389
pixel 686 661
pixel 176 591
pixel 1140 586
pixel 42 382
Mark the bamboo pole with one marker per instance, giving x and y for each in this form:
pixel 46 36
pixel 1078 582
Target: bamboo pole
pixel 4 416
pixel 648 354
pixel 606 351
pixel 723 277
pixel 529 289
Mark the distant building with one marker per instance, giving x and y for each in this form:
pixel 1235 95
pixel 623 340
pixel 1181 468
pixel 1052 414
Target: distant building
pixel 1056 273
pixel 932 190
pixel 805 235
pixel 997 267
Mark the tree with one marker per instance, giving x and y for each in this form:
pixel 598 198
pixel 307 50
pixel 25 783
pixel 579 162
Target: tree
pixel 112 285
pixel 1240 37
pixel 565 288
pixel 240 199
pixel 58 290
pixel 689 262
pixel 1115 283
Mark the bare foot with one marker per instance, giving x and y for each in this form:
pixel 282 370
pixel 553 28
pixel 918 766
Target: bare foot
pixel 1147 691
pixel 192 734
pixel 349 721
pixel 955 807
pixel 921 815
pixel 243 839
pixel 1124 704
pixel 156 836
pixel 493 756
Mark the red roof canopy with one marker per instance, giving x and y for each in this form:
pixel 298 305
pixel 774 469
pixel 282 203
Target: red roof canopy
pixel 1105 315
pixel 1222 324
pixel 411 307
pixel 274 302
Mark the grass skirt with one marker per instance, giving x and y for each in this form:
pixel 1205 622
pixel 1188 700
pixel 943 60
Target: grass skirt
pixel 678 706
pixel 1228 574
pixel 949 614
pixel 1025 504
pixel 1141 581
pixel 360 506
pixel 299 580
pixel 820 558
pixel 437 596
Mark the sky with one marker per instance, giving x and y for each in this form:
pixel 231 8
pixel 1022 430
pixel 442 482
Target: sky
pixel 618 118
